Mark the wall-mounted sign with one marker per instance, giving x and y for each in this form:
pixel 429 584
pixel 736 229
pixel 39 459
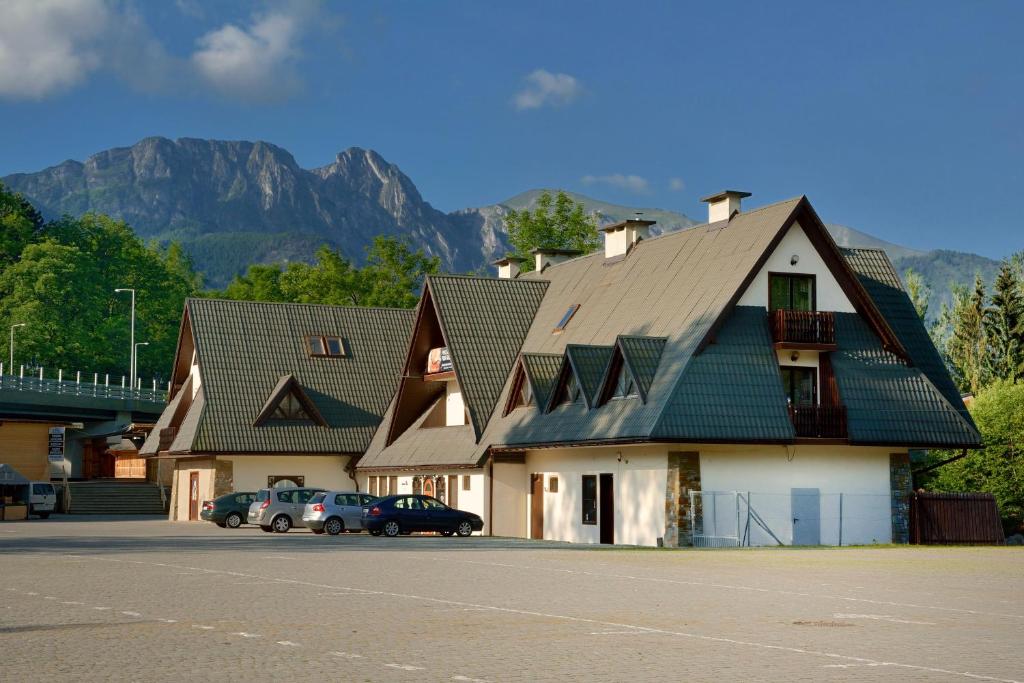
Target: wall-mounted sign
pixel 439 360
pixel 55 444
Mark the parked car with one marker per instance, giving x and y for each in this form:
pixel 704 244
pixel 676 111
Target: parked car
pixel 42 499
pixel 336 511
pixel 280 509
pixel 406 514
pixel 229 510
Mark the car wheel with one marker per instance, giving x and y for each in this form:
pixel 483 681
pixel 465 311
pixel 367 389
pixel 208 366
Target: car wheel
pixel 375 532
pixel 392 529
pixel 334 526
pixel 281 524
pixel 464 529
pixel 268 529
pixel 233 521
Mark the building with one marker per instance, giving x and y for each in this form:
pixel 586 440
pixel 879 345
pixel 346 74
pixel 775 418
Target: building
pixel 745 381
pixel 266 394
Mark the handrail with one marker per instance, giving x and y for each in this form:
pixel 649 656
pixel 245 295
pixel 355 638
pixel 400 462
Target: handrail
pixel 803 327
pixel 75 388
pixel 819 422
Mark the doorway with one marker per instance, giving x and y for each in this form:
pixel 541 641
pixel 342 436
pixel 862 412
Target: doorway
pixel 453 491
pixel 806 507
pixel 537 506
pixel 606 508
pixel 193 496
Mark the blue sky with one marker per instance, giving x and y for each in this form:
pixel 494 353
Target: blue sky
pixel 900 119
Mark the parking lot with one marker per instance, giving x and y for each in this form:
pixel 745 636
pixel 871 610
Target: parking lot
pixel 147 599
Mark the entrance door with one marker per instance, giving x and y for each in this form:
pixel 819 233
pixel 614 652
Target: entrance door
pixel 806 506
pixel 193 496
pixel 537 506
pixel 606 508
pixel 453 491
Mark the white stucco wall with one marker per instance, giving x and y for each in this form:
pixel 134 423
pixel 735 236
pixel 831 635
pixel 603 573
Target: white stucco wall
pixel 250 472
pixel 511 495
pixel 770 473
pixel 454 408
pixel 830 297
pixel 180 487
pixel 639 480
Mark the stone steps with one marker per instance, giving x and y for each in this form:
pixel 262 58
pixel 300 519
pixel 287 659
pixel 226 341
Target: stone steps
pixel 116 498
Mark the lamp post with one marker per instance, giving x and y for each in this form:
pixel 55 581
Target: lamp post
pixel 135 347
pixel 12 342
pixel 131 348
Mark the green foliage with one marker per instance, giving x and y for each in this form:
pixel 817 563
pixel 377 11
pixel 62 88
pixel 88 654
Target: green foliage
pixel 998 467
pixel 19 225
pixel 966 343
pixel 1004 324
pixel 392 277
pixel 61 284
pixel 556 223
pixel 919 291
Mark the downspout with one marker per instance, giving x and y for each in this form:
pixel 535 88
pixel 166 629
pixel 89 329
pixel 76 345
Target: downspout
pixel 490 495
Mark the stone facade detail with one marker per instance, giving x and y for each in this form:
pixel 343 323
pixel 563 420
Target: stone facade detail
pixel 683 477
pixel 901 485
pixel 223 478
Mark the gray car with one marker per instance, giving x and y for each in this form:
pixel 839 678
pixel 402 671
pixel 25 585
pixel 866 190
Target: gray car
pixel 336 511
pixel 280 509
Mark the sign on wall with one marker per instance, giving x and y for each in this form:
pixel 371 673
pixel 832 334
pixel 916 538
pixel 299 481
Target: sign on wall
pixel 439 360
pixel 55 446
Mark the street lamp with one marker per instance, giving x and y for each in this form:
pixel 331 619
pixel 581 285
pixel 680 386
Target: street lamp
pixel 131 348
pixel 136 348
pixel 12 343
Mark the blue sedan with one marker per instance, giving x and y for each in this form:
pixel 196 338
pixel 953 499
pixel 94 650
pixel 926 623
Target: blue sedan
pixel 396 515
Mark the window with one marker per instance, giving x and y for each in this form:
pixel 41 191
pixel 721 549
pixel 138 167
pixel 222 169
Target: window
pixel 392 485
pixel 553 484
pixel 589 499
pixel 286 497
pixel 800 385
pixel 366 499
pixel 326 346
pixel 244 499
pixel 566 318
pixel 465 482
pixel 290 409
pixel 302 497
pixel 346 499
pixel 371 485
pixel 791 292
pixel 277 481
pixel 318 498
pixel 434 504
pixel 624 385
pixel 408 504
pixel 572 389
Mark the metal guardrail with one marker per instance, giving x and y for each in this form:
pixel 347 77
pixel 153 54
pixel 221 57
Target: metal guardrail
pixel 81 389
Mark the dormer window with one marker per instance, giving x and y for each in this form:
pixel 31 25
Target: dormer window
pixel 325 346
pixel 625 387
pixel 288 403
pixel 566 318
pixel 290 409
pixel 571 394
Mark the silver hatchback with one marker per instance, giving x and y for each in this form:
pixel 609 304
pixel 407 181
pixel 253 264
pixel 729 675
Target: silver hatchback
pixel 280 509
pixel 336 511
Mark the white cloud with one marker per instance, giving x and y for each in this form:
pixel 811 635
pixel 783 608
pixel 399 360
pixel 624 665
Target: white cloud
pixel 676 184
pixel 544 88
pixel 47 46
pixel 256 62
pixel 632 183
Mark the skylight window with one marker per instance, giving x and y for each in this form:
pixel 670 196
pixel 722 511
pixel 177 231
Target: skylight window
pixel 326 346
pixel 566 318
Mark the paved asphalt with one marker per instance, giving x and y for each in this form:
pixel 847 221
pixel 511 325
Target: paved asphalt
pixel 148 600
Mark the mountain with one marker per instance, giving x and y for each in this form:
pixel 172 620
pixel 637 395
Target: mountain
pixel 232 203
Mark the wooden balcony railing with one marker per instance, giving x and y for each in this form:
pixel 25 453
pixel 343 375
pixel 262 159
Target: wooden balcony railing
pixel 804 329
pixel 167 435
pixel 819 422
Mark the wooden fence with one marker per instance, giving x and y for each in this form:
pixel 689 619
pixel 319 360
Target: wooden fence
pixel 940 518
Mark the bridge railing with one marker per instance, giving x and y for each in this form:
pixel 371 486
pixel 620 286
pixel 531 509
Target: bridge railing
pixel 80 385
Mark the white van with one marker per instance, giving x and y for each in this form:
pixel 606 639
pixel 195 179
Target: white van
pixel 42 499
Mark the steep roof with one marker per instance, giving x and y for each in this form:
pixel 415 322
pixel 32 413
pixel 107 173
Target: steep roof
pixel 245 351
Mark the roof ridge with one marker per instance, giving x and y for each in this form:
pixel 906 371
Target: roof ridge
pixel 294 304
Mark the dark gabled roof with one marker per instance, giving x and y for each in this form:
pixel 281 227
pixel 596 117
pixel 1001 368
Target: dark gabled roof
pixel 542 373
pixel 641 356
pixel 879 278
pixel 288 385
pixel 484 322
pixel 420 446
pixel 588 363
pixel 732 391
pixel 887 401
pixel 244 349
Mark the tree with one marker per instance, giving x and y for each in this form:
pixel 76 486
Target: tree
pixel 19 225
pixel 394 273
pixel 1004 324
pixel 556 223
pixel 966 346
pixel 918 290
pixel 997 467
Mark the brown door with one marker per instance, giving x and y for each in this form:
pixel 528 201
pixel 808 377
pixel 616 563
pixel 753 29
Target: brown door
pixel 537 506
pixel 453 491
pixel 606 509
pixel 193 496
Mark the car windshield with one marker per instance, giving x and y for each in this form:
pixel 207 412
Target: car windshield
pixel 264 494
pixel 42 489
pixel 318 498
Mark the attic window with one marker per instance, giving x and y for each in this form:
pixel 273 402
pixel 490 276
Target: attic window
pixel 625 387
pixel 290 409
pixel 571 391
pixel 566 318
pixel 326 346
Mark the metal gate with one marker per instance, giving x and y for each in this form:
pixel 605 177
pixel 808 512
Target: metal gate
pixel 715 518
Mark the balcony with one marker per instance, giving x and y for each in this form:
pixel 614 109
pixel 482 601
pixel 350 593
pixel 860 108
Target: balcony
pixel 812 330
pixel 167 435
pixel 818 422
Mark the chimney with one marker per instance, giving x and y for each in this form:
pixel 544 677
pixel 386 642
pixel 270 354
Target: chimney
pixel 508 267
pixel 620 238
pixel 547 257
pixel 723 205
